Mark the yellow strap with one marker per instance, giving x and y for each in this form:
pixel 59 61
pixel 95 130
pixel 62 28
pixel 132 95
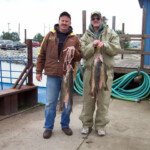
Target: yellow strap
pixel 53 31
pixel 72 33
pixel 39 51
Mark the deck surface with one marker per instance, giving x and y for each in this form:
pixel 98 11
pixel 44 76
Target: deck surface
pixel 128 64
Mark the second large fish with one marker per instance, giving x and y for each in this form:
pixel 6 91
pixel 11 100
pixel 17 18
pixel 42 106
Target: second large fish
pixel 67 89
pixel 98 76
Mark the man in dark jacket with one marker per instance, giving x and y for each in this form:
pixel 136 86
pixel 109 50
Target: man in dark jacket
pixel 51 59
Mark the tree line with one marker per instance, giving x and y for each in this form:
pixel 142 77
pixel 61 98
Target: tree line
pixel 15 37
pixel 38 37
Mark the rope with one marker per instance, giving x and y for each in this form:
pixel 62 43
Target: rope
pixel 70 51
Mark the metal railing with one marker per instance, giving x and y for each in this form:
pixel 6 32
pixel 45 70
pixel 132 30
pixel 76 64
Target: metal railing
pixel 7 72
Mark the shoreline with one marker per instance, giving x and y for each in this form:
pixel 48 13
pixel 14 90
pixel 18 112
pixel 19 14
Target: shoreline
pixel 20 54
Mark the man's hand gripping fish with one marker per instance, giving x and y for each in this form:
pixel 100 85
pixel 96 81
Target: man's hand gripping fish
pixel 98 76
pixel 67 82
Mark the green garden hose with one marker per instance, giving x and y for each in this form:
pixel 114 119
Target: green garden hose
pixel 119 86
pixel 78 83
pixel 136 94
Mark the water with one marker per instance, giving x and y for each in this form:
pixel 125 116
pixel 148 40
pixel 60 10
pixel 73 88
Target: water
pixel 14 74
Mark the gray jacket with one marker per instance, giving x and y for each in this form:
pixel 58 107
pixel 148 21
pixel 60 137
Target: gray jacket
pixel 110 49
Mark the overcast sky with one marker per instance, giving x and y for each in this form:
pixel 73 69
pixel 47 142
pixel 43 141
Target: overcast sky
pixel 39 16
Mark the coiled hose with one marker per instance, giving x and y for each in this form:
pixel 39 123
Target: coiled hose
pixel 119 85
pixel 78 83
pixel 135 94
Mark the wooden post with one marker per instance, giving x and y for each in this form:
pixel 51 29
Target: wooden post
pixel 143 38
pixel 30 76
pixel 25 35
pixel 83 21
pixel 122 44
pixel 113 22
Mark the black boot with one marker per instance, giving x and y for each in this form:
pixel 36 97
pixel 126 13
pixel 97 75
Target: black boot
pixel 47 134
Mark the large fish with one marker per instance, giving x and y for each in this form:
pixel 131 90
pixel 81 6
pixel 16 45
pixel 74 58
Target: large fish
pixel 95 76
pixel 66 95
pixel 98 76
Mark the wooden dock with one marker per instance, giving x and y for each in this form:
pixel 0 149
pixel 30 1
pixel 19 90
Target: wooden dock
pixel 129 63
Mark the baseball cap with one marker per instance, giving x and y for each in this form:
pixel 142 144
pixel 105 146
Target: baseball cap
pixel 96 13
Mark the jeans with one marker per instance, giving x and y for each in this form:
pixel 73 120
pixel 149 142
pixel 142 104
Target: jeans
pixel 53 89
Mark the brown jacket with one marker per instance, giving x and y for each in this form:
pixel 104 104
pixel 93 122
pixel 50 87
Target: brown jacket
pixel 48 54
